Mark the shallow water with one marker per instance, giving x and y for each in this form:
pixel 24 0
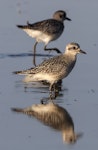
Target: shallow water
pixel 79 93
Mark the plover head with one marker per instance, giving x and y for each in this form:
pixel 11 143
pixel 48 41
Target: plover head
pixel 61 16
pixel 74 48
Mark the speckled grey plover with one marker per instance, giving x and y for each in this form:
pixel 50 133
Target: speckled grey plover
pixel 54 69
pixel 54 116
pixel 46 30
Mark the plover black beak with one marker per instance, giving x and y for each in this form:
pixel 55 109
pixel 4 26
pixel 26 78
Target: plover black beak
pixel 83 52
pixel 68 19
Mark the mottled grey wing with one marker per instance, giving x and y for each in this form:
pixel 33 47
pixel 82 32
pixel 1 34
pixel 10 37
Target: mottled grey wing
pixel 52 65
pixel 49 26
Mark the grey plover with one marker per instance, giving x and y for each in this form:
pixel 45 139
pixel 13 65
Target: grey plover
pixel 54 116
pixel 46 30
pixel 54 69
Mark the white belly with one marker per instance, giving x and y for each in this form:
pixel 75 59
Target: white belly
pixel 39 77
pixel 38 35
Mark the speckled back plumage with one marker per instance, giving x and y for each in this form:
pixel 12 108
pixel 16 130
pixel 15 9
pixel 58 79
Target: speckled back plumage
pixel 58 66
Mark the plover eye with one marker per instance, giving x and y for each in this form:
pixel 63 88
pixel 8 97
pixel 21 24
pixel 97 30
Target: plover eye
pixel 60 16
pixel 74 47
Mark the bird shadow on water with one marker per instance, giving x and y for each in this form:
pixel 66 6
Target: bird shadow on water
pixel 55 117
pixel 11 55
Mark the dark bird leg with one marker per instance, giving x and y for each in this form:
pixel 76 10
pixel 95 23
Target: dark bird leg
pixel 55 49
pixel 34 53
pixel 52 92
pixel 56 90
pixel 44 101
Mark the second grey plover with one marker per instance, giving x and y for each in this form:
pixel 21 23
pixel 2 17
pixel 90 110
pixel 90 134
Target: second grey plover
pixel 54 69
pixel 46 30
pixel 54 116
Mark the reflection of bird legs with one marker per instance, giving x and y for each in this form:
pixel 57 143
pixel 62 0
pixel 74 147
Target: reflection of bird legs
pixel 54 89
pixel 52 94
pixel 44 101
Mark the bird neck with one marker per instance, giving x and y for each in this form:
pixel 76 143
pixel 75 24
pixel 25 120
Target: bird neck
pixel 70 56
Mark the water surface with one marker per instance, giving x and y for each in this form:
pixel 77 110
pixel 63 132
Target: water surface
pixel 79 93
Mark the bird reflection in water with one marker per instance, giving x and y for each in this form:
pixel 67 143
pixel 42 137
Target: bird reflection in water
pixel 54 116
